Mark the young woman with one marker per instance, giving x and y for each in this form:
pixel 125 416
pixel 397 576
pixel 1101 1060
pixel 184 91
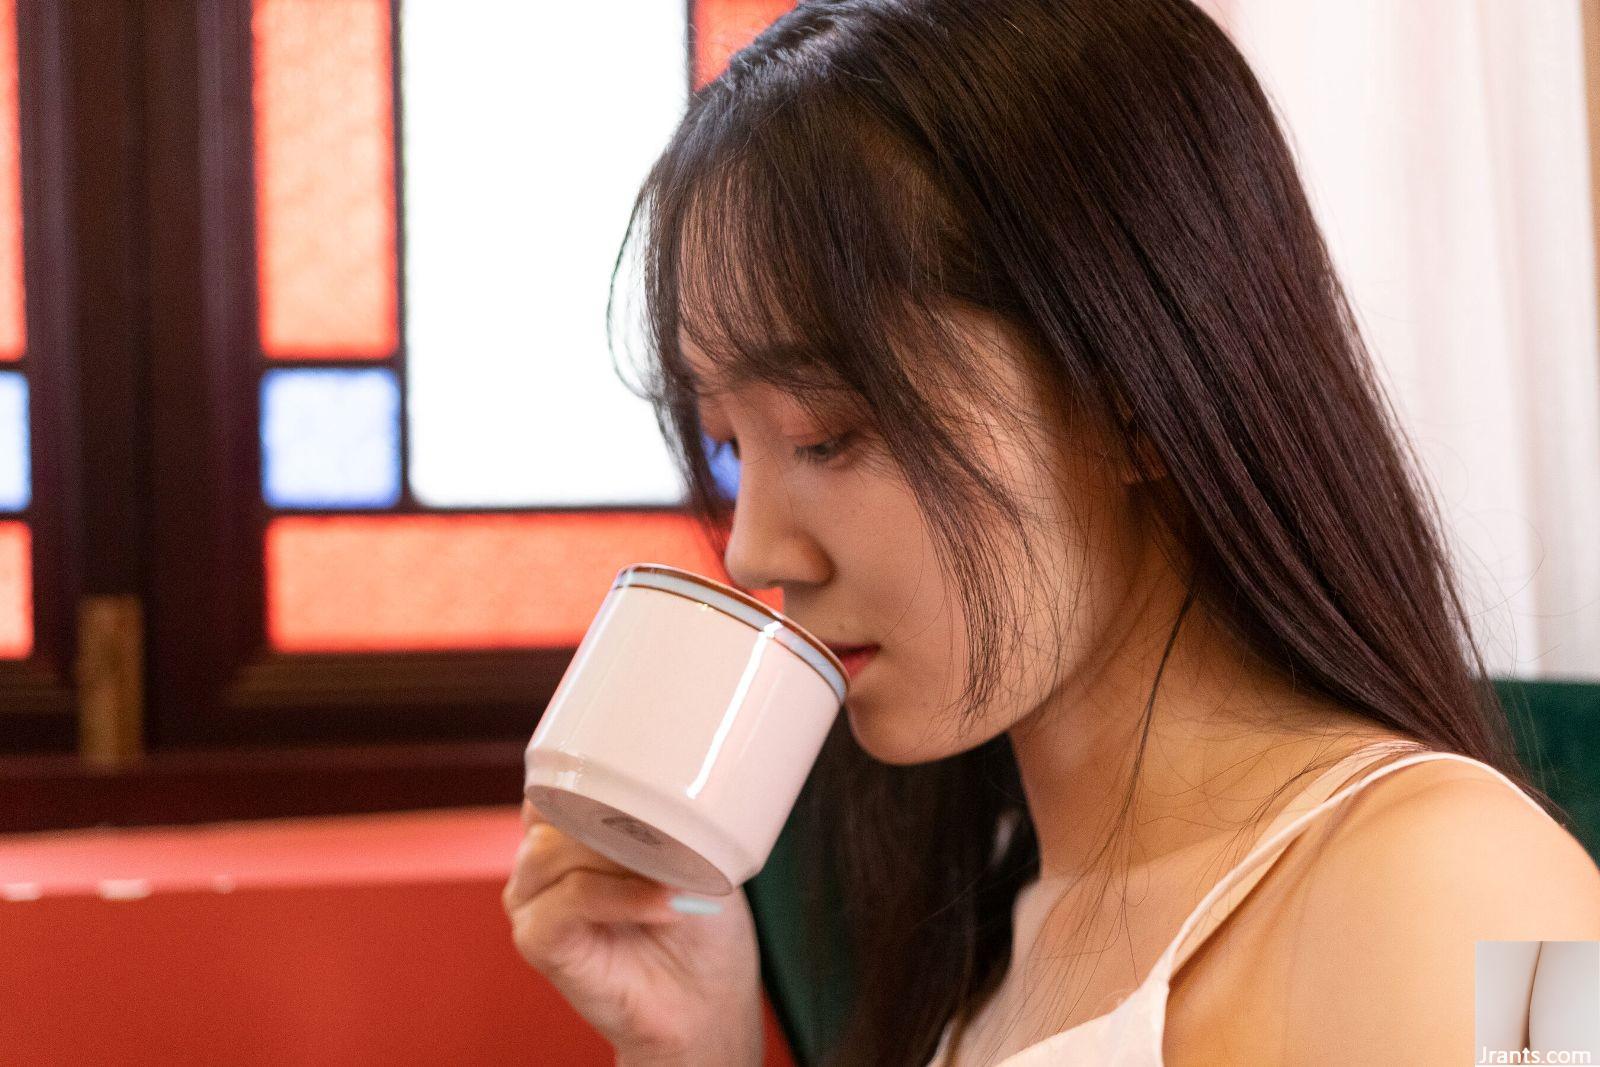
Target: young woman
pixel 1174 745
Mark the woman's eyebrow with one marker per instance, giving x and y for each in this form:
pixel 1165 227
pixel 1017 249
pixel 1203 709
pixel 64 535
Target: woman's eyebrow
pixel 741 373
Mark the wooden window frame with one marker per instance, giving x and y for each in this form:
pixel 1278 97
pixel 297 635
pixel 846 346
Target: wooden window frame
pixel 145 276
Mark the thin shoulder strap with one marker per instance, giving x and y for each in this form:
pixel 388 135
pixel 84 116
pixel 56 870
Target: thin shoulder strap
pixel 1296 816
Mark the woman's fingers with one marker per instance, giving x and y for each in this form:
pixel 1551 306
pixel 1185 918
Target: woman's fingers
pixel 581 897
pixel 546 855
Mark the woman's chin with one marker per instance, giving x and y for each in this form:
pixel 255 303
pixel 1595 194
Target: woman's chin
pixel 878 737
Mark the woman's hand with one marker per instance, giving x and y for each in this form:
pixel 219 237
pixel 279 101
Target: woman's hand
pixel 663 987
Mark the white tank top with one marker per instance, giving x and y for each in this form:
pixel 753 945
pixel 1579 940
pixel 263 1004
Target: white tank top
pixel 1130 1035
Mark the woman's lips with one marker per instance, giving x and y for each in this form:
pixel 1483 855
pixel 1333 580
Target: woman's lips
pixel 854 659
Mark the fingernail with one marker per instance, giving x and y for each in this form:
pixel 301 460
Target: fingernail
pixel 694 905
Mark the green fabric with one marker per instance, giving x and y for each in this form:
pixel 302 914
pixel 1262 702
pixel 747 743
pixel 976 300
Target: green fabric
pixel 811 1013
pixel 1556 726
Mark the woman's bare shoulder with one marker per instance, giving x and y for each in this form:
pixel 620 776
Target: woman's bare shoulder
pixel 1437 812
pixel 1421 865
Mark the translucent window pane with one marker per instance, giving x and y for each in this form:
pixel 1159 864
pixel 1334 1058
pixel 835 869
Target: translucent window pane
pixel 724 466
pixel 16 591
pixel 527 131
pixel 15 465
pixel 13 331
pixel 330 438
pixel 722 27
pixel 324 157
pixel 417 582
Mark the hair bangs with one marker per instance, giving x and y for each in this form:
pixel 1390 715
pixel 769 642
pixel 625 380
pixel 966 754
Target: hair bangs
pixel 797 258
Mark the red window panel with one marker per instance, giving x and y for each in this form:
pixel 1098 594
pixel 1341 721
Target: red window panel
pixel 425 582
pixel 16 591
pixel 324 165
pixel 13 329
pixel 722 27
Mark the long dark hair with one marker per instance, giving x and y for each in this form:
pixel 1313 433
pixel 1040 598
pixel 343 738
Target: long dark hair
pixel 1108 178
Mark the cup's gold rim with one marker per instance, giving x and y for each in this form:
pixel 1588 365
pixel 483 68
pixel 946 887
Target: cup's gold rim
pixel 745 598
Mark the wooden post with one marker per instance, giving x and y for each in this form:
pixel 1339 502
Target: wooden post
pixel 110 680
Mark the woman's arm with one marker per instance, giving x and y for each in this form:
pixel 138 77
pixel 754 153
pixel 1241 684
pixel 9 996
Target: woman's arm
pixel 1430 862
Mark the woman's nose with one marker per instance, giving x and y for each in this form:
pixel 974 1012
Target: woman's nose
pixel 769 544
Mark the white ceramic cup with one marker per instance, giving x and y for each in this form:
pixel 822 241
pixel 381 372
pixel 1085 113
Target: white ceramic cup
pixel 683 730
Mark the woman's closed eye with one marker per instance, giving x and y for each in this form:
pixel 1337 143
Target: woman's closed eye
pixel 819 454
pixel 825 451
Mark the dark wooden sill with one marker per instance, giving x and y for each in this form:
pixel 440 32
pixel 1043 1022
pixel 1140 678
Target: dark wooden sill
pixel 54 792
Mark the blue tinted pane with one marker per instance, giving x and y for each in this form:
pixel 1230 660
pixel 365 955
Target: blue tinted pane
pixel 724 466
pixel 15 483
pixel 330 438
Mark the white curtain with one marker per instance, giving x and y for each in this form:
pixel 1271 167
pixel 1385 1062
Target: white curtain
pixel 1444 144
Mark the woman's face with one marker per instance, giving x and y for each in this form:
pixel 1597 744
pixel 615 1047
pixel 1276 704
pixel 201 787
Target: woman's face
pixel 847 543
